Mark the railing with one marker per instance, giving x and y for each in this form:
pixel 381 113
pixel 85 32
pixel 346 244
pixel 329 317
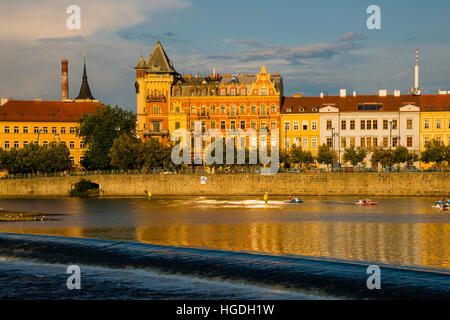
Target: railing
pixel 151 98
pixel 223 169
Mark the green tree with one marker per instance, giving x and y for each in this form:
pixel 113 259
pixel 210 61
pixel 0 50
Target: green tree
pixel 154 154
pixel 126 153
pixel 387 159
pixel 354 156
pixel 435 151
pixel 325 155
pixel 100 129
pixel 300 157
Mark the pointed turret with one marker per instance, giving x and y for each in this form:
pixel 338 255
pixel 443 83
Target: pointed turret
pixel 158 61
pixel 141 63
pixel 85 91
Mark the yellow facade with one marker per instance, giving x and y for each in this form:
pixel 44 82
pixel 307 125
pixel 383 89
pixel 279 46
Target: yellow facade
pixel 18 134
pixel 434 125
pixel 302 129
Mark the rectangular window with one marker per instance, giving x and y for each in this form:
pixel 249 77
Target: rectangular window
pixel 72 161
pixel 53 129
pixel 385 142
pixel 305 144
pixel 273 124
pixel 45 130
pixel 438 124
pixel 16 129
pixel 352 125
pixel 287 125
pixel 409 124
pixel 385 125
pixel 72 144
pixel 233 125
pixel 36 129
pixel 63 130
pixel 369 125
pixel 305 125
pixel 369 142
pixel 409 142
pixel 426 124
pixel 25 143
pixel 426 140
pixel 253 109
pixel 177 125
pixel 45 144
pixel 25 129
pixel 273 109
pixel 222 125
pixel 314 125
pixel 254 125
pixel 296 125
pixel 394 124
pixel 363 124
pixel 243 125
pixel 222 109
pixel 314 143
pixel 394 142
pixel 6 144
pixel 330 142
pixel 82 144
pixel 329 124
pixel 363 142
pixel 213 125
pixel 16 144
pixel 375 142
pixel 287 142
pixel 343 143
pixel 343 124
pixel 6 129
pixel 375 124
pixel 263 125
pixel 352 142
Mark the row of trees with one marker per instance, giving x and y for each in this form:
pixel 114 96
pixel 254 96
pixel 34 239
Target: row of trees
pixel 34 158
pixel 435 152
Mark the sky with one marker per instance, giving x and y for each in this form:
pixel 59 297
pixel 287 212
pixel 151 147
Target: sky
pixel 317 46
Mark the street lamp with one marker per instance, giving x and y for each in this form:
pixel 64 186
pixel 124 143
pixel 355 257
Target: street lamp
pixel 335 134
pixel 390 135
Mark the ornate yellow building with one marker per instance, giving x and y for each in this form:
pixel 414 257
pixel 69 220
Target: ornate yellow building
pixel 167 101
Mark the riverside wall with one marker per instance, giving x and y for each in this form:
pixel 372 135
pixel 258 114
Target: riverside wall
pixel 318 184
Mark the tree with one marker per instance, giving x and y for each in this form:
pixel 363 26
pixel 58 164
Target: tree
pixel 435 151
pixel 386 158
pixel 354 156
pixel 403 155
pixel 298 156
pixel 125 152
pixel 325 155
pixel 153 154
pixel 100 129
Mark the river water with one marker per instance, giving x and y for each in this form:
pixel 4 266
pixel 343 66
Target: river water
pixel 399 231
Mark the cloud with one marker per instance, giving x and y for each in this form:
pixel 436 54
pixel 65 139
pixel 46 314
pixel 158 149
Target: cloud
pixel 63 39
pixel 256 50
pixel 30 19
pixel 351 37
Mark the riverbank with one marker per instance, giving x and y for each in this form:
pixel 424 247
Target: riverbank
pixel 282 184
pixel 12 216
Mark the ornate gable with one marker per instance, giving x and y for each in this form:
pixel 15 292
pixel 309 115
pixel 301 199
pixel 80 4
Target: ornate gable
pixel 263 85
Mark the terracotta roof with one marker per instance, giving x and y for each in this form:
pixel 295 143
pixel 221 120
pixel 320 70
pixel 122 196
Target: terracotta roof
pixel 348 103
pixel 435 102
pixel 48 111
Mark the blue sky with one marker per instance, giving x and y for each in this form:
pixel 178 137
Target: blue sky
pixel 317 46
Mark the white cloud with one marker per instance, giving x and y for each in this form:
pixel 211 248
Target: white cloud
pixel 30 19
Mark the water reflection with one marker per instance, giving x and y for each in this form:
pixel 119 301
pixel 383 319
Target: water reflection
pixel 400 231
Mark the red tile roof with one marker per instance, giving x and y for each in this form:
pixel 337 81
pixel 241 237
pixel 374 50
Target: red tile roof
pixel 348 103
pixel 48 111
pixel 435 102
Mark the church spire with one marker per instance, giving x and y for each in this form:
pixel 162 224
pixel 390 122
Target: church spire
pixel 85 91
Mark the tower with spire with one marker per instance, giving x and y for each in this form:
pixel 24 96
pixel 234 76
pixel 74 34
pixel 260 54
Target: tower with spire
pixel 85 91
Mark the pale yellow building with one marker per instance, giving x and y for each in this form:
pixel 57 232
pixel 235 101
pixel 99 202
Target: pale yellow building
pixel 434 119
pixel 300 125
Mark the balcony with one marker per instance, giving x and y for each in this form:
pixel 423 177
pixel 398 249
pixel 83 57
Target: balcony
pixel 203 115
pixel 233 115
pixel 263 115
pixel 154 98
pixel 153 133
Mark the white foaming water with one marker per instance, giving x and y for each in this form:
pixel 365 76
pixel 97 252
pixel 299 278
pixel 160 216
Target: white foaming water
pixel 149 284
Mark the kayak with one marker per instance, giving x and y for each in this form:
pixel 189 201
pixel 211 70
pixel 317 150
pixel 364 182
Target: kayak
pixel 295 200
pixel 368 203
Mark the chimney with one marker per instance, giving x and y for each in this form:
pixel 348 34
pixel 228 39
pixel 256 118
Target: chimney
pixel 354 93
pixel 440 92
pixel 64 79
pixel 396 93
pixel 382 93
pixel 343 93
pixel 3 101
pixel 321 94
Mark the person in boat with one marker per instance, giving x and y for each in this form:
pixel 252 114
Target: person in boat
pixel 361 201
pixel 290 198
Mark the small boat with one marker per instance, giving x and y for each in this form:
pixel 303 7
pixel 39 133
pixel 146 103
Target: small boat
pixel 294 200
pixel 366 203
pixel 442 205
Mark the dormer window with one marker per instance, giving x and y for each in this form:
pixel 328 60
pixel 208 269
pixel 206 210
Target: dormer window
pixel 233 91
pixel 223 91
pixel 314 109
pixel 301 109
pixel 263 91
pixel 242 92
pixel 289 110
